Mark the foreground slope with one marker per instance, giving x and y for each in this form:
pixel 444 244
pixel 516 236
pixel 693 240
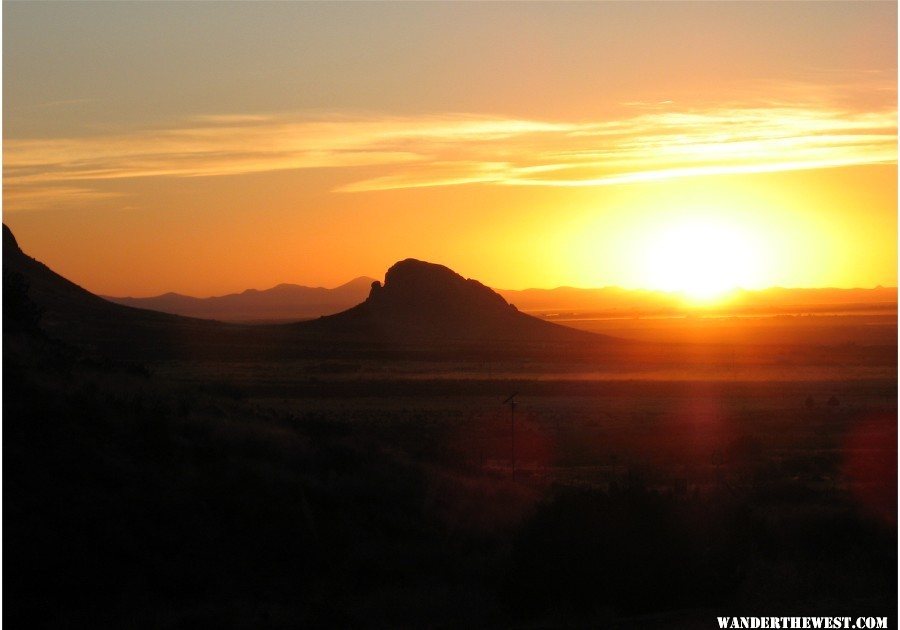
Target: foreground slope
pixel 73 314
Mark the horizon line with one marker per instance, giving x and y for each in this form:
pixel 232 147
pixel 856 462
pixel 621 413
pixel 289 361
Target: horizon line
pixel 667 292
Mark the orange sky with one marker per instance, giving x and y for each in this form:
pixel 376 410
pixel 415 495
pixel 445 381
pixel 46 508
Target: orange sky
pixel 209 148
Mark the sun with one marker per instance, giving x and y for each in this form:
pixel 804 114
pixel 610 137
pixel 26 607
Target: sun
pixel 703 259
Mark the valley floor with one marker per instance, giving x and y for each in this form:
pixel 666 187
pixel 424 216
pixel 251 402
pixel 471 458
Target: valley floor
pixel 688 481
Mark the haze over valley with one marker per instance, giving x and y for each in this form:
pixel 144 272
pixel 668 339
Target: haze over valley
pixel 286 302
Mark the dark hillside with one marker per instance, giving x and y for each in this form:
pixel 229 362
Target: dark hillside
pixel 77 316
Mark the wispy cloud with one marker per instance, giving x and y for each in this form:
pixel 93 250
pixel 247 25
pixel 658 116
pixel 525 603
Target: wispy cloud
pixel 654 143
pixel 23 198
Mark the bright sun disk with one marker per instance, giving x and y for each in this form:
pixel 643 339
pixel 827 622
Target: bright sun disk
pixel 702 259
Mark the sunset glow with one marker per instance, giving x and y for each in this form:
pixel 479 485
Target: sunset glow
pixel 714 148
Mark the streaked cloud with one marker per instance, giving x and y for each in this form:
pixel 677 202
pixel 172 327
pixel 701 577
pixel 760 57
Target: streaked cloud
pixel 24 198
pixel 653 143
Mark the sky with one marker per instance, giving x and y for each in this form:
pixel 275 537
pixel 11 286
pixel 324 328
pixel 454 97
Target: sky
pixel 207 148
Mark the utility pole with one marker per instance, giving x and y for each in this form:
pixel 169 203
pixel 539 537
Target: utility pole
pixel 511 401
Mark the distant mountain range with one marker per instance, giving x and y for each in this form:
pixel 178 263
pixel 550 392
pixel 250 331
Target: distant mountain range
pixel 419 306
pixel 291 302
pixel 280 303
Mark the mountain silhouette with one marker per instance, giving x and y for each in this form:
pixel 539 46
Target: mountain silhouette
pixel 281 302
pixel 73 314
pixel 61 301
pixel 425 301
pixel 418 302
pixel 51 292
